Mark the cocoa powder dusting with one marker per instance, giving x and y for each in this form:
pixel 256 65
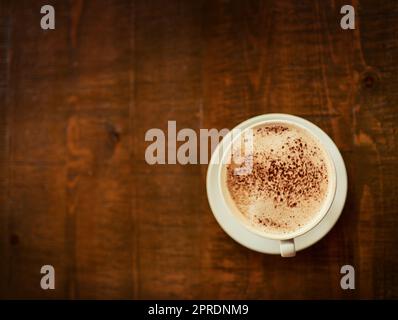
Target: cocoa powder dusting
pixel 289 176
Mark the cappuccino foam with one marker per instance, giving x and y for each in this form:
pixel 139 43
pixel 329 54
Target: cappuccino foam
pixel 288 183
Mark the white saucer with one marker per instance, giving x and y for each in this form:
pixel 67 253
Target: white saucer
pixel 255 242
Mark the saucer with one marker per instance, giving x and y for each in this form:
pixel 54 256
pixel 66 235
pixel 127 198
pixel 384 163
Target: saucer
pixel 253 241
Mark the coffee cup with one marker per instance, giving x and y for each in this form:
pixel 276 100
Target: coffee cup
pixel 259 199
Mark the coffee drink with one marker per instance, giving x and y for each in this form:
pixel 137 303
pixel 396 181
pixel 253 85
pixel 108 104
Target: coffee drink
pixel 288 183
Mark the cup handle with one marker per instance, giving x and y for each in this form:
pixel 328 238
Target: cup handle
pixel 287 248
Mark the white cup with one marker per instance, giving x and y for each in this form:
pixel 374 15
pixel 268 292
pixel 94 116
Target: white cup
pixel 287 243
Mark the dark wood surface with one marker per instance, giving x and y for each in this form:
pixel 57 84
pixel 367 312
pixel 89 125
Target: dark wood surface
pixel 75 104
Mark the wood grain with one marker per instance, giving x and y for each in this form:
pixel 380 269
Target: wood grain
pixel 76 102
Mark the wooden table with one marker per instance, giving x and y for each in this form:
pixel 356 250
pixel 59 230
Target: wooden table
pixel 76 102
